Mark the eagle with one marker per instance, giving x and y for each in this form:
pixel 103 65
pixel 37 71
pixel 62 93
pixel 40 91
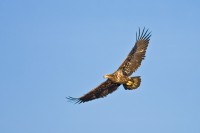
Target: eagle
pixel 122 76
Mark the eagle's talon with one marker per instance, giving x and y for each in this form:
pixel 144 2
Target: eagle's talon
pixel 129 83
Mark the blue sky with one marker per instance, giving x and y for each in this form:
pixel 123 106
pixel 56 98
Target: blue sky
pixel 53 49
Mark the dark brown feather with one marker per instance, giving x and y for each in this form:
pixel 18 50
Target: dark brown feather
pixel 137 54
pixel 100 91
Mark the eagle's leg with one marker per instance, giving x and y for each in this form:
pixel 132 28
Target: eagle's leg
pixel 133 83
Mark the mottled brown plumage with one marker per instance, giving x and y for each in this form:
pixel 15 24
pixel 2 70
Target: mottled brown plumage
pixel 123 73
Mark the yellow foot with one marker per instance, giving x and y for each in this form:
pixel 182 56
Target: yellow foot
pixel 129 83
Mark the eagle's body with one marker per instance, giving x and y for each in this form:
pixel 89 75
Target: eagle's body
pixel 123 73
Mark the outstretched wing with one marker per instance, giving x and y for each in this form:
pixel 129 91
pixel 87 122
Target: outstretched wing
pixel 100 91
pixel 137 54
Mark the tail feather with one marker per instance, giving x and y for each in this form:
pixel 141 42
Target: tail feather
pixel 133 83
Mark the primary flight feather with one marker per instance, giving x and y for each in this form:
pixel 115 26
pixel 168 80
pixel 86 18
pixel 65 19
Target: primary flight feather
pixel 123 73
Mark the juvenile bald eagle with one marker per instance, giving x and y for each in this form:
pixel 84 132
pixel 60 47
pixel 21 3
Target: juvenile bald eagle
pixel 123 73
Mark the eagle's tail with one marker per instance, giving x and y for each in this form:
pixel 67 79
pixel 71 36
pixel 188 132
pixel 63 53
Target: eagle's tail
pixel 133 83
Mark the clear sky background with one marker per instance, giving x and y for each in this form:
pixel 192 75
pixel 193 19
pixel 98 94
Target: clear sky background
pixel 53 49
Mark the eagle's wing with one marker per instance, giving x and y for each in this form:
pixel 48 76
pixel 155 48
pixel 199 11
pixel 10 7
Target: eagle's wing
pixel 137 54
pixel 100 91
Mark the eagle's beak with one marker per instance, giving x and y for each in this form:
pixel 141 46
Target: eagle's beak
pixel 106 76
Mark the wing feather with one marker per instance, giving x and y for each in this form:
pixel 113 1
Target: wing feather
pixel 100 91
pixel 137 54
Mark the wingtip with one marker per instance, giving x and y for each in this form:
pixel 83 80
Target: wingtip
pixel 144 35
pixel 74 100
